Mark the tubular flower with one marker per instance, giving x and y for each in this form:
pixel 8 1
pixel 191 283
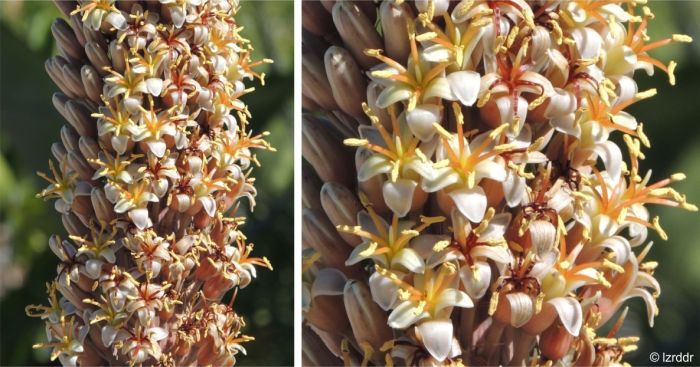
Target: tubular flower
pixel 153 163
pixel 491 217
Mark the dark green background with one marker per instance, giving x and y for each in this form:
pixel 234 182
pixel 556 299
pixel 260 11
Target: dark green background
pixel 29 124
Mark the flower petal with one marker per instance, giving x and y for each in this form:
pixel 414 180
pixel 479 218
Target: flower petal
pixel 437 337
pixel 521 308
pixel 570 313
pixel 420 120
pixel 405 315
pixel 476 279
pixel 470 202
pixel 465 86
pixel 398 195
pixel 409 258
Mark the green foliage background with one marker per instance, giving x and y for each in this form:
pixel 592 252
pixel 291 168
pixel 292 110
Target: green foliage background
pixel 28 126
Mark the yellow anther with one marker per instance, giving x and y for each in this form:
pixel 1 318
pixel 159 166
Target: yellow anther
pixel 431 220
pixel 485 222
pixel 657 226
pixel 354 142
pixel 493 303
pixel 345 351
pixel 410 232
pixel 538 302
pixel 367 352
pixel 441 245
pixel 677 177
pixel 388 345
pixel 370 250
pixel 383 74
pixel 646 94
pixel 682 38
pixel 441 130
pixel 462 9
pixel 613 266
pixel 348 229
pixel 512 35
pixel 373 52
pixel 671 68
pixel 602 280
pixel 441 164
pixel 427 36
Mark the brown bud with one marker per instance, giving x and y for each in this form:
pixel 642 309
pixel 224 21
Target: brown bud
pixel 311 188
pixel 315 18
pixel 323 147
pixel 66 41
pixel 367 319
pixel 91 82
pixel 341 205
pixel 357 32
pixel 314 352
pixel 327 313
pixel 98 57
pixel 319 233
pixel 346 80
pixel 394 19
pixel 315 83
pixel 555 342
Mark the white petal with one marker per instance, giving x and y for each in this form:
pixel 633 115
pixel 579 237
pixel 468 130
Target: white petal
pixel 117 20
pixel 398 195
pixel 393 94
pixel 157 333
pixel 588 42
pixel 649 300
pixel 498 254
pixel 357 254
pixel 439 87
pixel 436 53
pixel 374 165
pixel 108 335
pixel 437 337
pixel 442 178
pixel 490 169
pixel 465 86
pixel 140 218
pixel 93 268
pixel 405 315
pixel 471 203
pixel 383 290
pixel 154 86
pixel 209 205
pixel 420 120
pixel 410 259
pixel 476 280
pixel 570 313
pixel 452 297
pixel 496 228
pixel 157 147
pixel 521 308
pixel 514 189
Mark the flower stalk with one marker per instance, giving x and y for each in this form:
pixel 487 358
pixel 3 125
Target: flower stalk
pixel 150 176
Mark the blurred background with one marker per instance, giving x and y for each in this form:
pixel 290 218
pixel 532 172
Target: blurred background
pixel 28 126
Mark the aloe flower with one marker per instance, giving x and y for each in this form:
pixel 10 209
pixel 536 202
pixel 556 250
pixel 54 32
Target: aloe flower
pixel 152 167
pixel 495 211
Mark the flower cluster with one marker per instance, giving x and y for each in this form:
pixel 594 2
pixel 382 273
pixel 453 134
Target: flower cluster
pixel 151 171
pixel 491 218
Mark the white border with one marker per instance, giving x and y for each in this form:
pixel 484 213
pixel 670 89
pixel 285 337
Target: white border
pixel 297 183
